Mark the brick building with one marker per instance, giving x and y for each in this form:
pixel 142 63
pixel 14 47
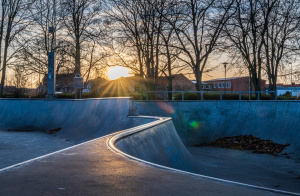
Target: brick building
pixel 179 83
pixel 64 83
pixel 232 84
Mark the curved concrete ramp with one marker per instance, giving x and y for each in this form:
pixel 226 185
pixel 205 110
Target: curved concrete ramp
pixel 200 122
pixel 82 120
pixel 159 144
pixel 76 120
pixel 94 169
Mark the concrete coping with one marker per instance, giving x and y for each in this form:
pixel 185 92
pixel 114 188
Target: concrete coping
pixel 123 134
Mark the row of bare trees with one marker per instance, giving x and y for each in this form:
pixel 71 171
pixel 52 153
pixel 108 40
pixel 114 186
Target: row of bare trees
pixel 13 22
pixel 263 35
pixel 151 37
pixel 166 35
pixel 163 35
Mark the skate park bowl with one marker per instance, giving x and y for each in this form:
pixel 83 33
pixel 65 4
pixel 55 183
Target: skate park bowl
pixel 199 122
pixel 150 132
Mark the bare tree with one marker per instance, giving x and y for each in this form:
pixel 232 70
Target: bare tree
pixel 20 80
pixel 198 25
pixel 263 33
pixel 170 65
pixel 95 58
pixel 15 23
pixel 80 18
pixel 246 30
pixel 3 17
pixel 138 28
pixel 282 32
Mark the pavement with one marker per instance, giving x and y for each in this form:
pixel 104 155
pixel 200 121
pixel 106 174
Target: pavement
pixel 264 170
pixel 94 169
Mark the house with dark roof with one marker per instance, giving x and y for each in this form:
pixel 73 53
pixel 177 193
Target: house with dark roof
pixel 64 83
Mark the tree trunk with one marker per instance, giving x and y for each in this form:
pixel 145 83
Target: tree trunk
pixel 198 75
pixel 77 64
pixel 1 34
pixel 77 56
pixel 272 86
pixel 170 87
pixel 4 60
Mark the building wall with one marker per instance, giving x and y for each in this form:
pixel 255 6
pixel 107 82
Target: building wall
pixel 179 83
pixel 241 84
pixel 234 84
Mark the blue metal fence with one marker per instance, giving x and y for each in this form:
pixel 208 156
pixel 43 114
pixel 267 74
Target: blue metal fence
pixel 162 95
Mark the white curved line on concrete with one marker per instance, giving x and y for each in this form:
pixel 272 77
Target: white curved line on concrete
pixel 52 153
pixel 112 141
pixel 56 152
pixel 121 134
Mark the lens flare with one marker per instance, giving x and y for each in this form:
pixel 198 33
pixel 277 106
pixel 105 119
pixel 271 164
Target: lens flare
pixel 166 107
pixel 195 124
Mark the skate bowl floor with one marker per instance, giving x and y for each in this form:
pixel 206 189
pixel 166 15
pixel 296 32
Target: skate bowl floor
pixel 101 147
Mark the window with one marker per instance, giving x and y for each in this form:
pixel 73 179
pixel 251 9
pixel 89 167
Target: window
pixel 215 85
pixel 203 87
pixel 207 86
pixel 222 84
pixel 229 84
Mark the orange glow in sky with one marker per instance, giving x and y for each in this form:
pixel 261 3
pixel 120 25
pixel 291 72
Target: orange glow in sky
pixel 117 72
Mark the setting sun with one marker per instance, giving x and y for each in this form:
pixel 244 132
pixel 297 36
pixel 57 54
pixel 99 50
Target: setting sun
pixel 117 72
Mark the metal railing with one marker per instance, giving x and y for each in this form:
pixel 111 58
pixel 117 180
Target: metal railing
pixel 164 95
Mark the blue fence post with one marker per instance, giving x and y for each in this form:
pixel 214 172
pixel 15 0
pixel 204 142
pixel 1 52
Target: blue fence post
pixel 220 95
pixel 240 96
pixel 147 95
pixel 164 95
pixel 201 95
pixel 258 95
pixel 182 94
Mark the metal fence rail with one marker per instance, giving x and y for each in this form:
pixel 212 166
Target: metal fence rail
pixel 163 94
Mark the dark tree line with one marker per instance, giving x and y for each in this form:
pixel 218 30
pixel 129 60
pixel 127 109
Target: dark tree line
pixel 151 37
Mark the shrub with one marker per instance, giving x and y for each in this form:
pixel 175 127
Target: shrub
pixel 187 96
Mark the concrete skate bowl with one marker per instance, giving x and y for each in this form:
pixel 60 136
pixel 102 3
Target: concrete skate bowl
pixel 33 128
pixel 156 143
pixel 147 139
pixel 77 121
pixel 201 122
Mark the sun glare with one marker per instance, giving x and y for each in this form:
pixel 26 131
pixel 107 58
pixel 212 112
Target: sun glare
pixel 117 72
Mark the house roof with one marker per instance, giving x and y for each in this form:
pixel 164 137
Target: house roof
pixel 221 79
